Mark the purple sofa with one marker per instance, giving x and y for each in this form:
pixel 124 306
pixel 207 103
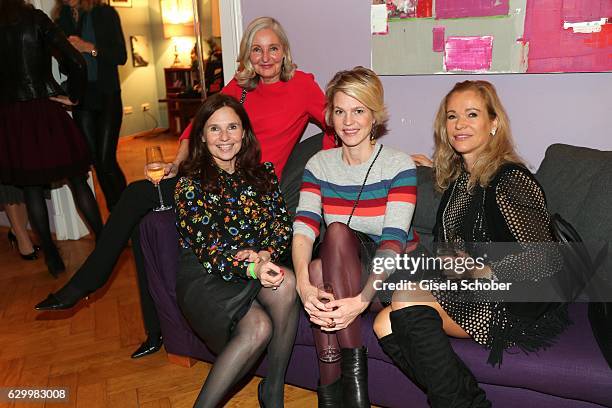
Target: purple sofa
pixel 572 373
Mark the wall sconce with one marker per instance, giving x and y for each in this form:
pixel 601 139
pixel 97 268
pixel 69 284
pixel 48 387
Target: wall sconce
pixel 177 18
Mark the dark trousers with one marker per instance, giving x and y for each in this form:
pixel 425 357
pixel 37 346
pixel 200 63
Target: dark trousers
pixel 136 201
pixel 100 121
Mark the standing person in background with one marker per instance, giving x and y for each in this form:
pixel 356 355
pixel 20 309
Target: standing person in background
pixel 280 101
pixel 94 29
pixel 39 142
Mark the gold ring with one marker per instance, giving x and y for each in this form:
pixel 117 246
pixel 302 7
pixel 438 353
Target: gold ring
pixel 332 324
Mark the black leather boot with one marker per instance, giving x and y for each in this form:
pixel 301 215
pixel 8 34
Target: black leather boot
pixel 330 395
pixel 446 379
pixel 390 347
pixel 354 378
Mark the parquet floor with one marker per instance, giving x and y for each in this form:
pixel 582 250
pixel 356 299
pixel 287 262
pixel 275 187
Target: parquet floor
pixel 88 350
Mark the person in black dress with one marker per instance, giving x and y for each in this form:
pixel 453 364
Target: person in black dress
pixel 234 228
pixel 489 197
pixel 39 142
pixel 94 29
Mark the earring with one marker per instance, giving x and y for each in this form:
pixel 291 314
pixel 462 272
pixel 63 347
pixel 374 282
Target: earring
pixel 493 131
pixel 336 139
pixel 372 138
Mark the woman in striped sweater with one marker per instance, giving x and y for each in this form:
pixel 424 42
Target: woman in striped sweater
pixel 366 195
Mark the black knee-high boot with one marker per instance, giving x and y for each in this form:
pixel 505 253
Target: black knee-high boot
pixel 391 347
pixel 354 378
pixel 330 395
pixel 446 379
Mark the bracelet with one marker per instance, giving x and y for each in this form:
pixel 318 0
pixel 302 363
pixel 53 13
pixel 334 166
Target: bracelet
pixel 251 271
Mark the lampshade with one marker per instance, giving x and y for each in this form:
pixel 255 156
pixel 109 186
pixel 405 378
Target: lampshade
pixel 177 18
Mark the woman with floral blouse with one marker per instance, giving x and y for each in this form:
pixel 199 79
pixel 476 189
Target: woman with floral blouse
pixel 234 227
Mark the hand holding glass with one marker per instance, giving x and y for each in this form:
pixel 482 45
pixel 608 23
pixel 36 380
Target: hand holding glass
pixel 155 171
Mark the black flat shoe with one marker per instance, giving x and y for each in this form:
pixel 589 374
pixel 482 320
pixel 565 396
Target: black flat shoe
pixel 260 393
pixel 151 345
pixel 52 302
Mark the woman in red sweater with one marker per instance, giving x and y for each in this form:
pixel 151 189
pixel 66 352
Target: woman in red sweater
pixel 280 101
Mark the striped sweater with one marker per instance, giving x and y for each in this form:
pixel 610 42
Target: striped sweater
pixel 330 187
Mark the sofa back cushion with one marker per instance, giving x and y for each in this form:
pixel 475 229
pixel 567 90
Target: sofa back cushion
pixel 578 185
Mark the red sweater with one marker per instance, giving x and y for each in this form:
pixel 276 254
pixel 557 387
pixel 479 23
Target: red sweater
pixel 279 113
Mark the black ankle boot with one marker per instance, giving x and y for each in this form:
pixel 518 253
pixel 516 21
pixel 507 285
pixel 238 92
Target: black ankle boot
pixel 446 379
pixel 330 395
pixel 354 380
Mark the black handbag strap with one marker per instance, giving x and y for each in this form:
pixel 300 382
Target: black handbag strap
pixel 243 96
pixel 348 223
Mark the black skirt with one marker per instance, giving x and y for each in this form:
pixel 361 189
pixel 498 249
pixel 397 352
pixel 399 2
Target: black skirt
pixel 212 305
pixel 39 144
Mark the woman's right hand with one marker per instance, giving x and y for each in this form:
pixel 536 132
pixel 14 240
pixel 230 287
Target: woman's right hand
pixel 170 170
pixel 63 99
pixel 310 296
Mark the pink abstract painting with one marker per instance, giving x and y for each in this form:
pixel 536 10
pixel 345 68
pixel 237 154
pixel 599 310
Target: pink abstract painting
pixel 470 8
pixel 468 53
pixel 438 39
pixel 553 48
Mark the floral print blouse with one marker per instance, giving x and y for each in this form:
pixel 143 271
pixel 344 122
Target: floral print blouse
pixel 216 226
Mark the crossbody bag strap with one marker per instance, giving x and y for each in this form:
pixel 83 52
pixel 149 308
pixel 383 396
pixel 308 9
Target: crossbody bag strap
pixel 348 223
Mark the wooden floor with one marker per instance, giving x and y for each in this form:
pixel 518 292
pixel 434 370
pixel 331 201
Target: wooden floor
pixel 88 350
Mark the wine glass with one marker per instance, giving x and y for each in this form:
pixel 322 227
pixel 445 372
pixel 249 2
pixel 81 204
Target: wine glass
pixel 155 171
pixel 330 350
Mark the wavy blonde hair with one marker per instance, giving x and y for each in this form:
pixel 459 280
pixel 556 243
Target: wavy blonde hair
pixel 448 164
pixel 85 5
pixel 246 76
pixel 364 85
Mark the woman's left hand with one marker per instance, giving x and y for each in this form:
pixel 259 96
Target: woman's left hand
pixel 80 44
pixel 346 310
pixel 270 275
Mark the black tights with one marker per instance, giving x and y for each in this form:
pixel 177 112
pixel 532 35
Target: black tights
pixel 272 320
pixel 39 216
pixel 340 266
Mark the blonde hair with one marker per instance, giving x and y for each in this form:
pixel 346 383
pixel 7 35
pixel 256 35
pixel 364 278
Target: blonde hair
pixel 364 85
pixel 448 164
pixel 85 5
pixel 246 76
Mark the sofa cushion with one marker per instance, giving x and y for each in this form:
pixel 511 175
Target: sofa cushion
pixel 577 183
pixel 428 200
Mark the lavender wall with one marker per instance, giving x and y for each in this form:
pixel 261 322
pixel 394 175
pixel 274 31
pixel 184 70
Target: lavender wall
pixel 327 36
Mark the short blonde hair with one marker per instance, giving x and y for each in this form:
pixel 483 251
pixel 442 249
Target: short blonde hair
pixel 364 85
pixel 448 164
pixel 246 76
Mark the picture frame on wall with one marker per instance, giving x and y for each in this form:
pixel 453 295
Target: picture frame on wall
pixel 120 3
pixel 140 50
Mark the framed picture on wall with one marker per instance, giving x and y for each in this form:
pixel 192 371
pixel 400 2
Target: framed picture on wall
pixel 120 3
pixel 140 50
